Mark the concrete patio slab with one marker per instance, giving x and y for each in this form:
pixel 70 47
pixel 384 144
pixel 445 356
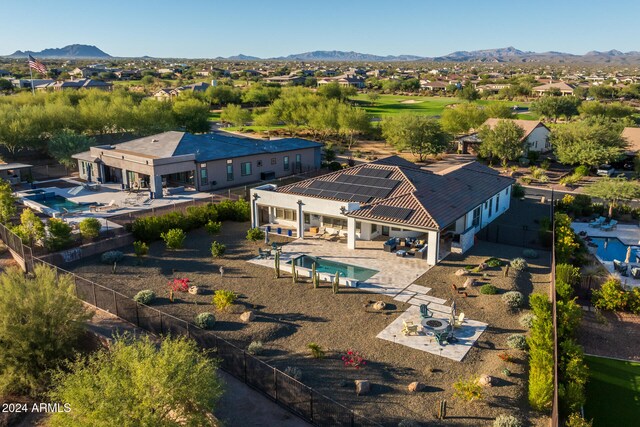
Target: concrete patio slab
pixel 426 299
pixel 467 335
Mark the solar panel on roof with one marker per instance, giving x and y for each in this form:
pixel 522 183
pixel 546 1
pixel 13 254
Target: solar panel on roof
pixel 391 212
pixel 378 173
pixel 361 199
pixel 368 181
pixel 352 188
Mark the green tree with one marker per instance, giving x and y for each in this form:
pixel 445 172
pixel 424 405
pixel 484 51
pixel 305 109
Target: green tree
pixel 553 107
pixel 461 118
pixel 258 94
pixel 614 191
pixel 330 91
pixel 373 97
pixel 236 115
pixel 223 95
pixel 137 382
pixel 352 121
pixel 7 202
pixel 40 323
pixel 540 342
pixel 587 143
pixel 323 119
pixel 90 228
pixel 5 85
pixel 468 93
pixel 59 234
pixel 65 144
pixel 192 114
pixel 504 141
pixel 420 135
pixel 147 80
pixel 499 111
pixel 31 228
pixel 614 110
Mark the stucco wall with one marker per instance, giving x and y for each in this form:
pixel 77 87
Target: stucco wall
pixel 538 139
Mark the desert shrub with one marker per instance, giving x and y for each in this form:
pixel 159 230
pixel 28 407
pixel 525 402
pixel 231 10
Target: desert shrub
pixel 223 299
pixel 468 390
pixel 90 228
pixel 633 304
pixel 517 191
pixel 110 257
pixel 150 228
pixel 255 234
pixel 529 253
pixel 316 351
pixel 576 420
pixel 611 296
pixel 545 164
pixel 519 264
pixel 59 236
pixel 334 166
pixel 145 297
pixel 566 244
pixel 174 238
pixel 293 372
pixel 493 262
pixel 205 320
pixel 488 289
pixel 526 320
pixel 255 348
pixel 239 211
pixel 198 216
pixel 517 341
pixel 213 227
pixel 140 248
pixel 329 154
pixel 513 299
pixel 217 249
pixel 507 421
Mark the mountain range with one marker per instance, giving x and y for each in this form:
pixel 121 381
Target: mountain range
pixel 501 55
pixel 71 51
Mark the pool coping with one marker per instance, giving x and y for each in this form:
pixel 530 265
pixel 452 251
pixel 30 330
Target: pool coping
pixel 348 281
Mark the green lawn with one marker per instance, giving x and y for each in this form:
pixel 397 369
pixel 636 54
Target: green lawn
pixel 428 105
pixel 613 392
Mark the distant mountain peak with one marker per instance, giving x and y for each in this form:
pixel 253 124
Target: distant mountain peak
pixel 70 51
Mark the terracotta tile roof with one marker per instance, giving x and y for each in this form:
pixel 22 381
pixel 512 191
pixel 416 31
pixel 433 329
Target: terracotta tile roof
pixel 527 125
pixel 422 198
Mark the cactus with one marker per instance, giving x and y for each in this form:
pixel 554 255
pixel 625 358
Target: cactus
pixel 316 280
pixel 293 271
pixel 313 274
pixel 336 282
pixel 277 265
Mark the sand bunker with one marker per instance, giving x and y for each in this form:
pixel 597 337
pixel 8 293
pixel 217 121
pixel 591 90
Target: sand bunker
pixel 410 101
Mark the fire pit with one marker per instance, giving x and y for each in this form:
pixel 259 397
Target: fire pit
pixel 435 324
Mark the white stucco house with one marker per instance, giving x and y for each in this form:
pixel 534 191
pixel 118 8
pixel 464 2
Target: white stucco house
pixel 536 136
pixel 387 199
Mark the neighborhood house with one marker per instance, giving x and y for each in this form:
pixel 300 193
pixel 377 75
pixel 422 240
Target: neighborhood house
pixel 393 201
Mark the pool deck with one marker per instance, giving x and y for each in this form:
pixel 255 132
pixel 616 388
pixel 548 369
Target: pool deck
pixel 626 233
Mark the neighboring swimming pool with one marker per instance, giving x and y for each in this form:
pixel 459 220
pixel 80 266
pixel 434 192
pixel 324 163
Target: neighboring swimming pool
pixel 331 267
pixel 58 203
pixel 610 248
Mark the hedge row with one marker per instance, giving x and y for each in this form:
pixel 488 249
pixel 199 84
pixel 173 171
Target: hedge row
pixel 151 228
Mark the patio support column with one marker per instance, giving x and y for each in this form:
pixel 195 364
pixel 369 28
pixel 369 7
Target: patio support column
pixel 300 220
pixel 433 240
pixel 254 211
pixel 156 185
pixel 351 233
pixel 125 178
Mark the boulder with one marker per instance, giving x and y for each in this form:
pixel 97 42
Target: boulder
pixel 247 316
pixel 362 387
pixel 379 305
pixel 194 290
pixel 416 386
pixel 485 381
pixel 461 272
pixel 469 282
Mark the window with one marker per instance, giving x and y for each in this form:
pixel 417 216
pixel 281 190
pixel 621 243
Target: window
pixel 307 218
pixel 299 162
pixel 259 163
pixel 358 226
pixel 245 168
pixel 285 161
pixel 476 217
pixel 337 223
pixel 490 206
pixel 486 204
pixel 497 202
pixel 229 170
pixel 84 168
pixel 374 228
pixel 507 192
pixel 286 214
pixel 273 160
pixel 204 178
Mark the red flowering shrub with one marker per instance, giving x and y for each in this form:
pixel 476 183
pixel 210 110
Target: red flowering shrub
pixel 354 358
pixel 179 285
pixel 505 357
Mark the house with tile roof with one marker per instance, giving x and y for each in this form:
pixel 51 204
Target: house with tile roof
pixel 536 134
pixel 203 162
pixel 563 87
pixel 390 200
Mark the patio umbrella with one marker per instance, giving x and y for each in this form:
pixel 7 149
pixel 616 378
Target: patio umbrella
pixel 628 258
pixel 266 238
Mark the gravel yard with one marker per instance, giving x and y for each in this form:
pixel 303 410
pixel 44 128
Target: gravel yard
pixel 290 316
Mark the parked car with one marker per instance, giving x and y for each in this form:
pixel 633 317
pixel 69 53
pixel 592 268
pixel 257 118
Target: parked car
pixel 605 170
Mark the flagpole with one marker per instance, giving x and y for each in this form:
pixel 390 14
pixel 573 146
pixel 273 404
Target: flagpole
pixel 33 91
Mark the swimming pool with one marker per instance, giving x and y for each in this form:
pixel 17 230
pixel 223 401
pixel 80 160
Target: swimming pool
pixel 610 248
pixel 331 267
pixel 59 203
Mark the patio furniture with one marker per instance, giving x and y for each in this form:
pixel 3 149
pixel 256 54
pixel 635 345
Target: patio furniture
pixel 401 253
pixel 442 337
pixel 421 253
pixel 279 230
pixel 635 273
pixel 319 233
pixel 609 226
pixel 620 266
pixel 264 254
pixel 596 223
pixel 409 328
pixel 424 311
pixel 289 232
pixel 458 321
pixel 436 325
pixel 390 245
pixel 112 205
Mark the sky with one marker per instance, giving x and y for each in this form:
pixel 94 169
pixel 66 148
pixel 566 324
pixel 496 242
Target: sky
pixel 211 28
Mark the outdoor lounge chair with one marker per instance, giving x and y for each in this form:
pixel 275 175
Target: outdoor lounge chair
pixel 620 266
pixel 409 328
pixel 320 233
pixel 110 206
pixel 596 223
pixel 458 321
pixel 442 337
pixel 424 311
pixel 609 226
pixel 264 254
pixel 635 273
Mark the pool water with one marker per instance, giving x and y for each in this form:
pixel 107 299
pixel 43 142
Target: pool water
pixel 58 203
pixel 610 248
pixel 331 267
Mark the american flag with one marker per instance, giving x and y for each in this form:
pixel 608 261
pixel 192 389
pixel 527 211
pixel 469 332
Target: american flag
pixel 37 65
